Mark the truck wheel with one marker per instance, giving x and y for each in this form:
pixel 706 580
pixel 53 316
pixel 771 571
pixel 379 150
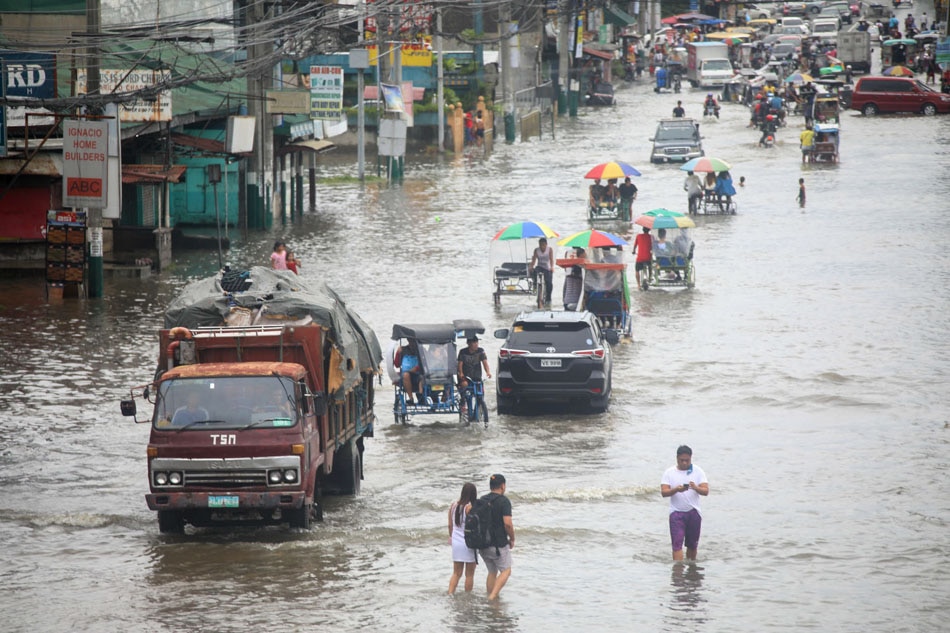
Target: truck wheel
pixel 348 463
pixel 171 522
pixel 300 518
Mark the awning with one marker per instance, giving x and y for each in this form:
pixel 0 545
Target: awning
pixel 593 52
pixel 618 18
pixel 207 145
pixel 313 145
pixel 42 164
pixel 151 174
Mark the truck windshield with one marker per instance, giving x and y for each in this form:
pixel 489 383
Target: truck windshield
pixel 717 64
pixel 676 133
pixel 224 403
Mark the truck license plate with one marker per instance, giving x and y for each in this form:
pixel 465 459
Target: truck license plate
pixel 222 501
pixel 550 362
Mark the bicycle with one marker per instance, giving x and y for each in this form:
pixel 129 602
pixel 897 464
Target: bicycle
pixel 472 405
pixel 538 275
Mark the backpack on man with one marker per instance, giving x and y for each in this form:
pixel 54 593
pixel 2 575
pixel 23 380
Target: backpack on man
pixel 479 532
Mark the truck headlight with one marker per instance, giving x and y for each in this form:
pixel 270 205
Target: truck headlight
pixel 274 476
pixel 161 479
pixel 290 475
pixel 174 478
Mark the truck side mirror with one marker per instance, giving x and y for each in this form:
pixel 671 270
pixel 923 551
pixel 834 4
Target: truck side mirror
pixel 319 404
pixel 128 407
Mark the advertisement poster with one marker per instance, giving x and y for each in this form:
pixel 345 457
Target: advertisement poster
pixel 326 92
pixel 392 98
pixel 125 80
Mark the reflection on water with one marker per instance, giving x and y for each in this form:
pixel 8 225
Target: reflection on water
pixel 686 580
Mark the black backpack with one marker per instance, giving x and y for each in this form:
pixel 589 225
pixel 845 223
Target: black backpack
pixel 478 524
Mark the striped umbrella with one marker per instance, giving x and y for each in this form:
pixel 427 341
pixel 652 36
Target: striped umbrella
pixel 898 71
pixel 525 231
pixel 664 219
pixel 592 238
pixel 613 169
pixel 705 164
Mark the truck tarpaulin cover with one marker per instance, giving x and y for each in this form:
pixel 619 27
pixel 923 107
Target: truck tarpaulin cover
pixel 280 294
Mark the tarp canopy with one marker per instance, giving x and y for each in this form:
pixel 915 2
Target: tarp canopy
pixel 618 18
pixel 425 332
pixel 438 332
pixel 277 295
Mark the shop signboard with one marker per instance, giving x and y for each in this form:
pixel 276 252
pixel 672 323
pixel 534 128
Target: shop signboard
pixel 85 163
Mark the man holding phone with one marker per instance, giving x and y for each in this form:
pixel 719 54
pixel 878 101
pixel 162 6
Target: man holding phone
pixel 684 483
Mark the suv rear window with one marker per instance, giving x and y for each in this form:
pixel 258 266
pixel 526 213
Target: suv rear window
pixel 565 337
pixel 676 133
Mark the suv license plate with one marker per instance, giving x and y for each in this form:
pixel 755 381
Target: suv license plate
pixel 226 501
pixel 550 362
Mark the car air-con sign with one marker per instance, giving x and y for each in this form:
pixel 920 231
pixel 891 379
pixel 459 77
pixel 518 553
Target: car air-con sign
pixel 85 163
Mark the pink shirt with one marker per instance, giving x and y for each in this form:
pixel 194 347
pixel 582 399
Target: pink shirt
pixel 278 261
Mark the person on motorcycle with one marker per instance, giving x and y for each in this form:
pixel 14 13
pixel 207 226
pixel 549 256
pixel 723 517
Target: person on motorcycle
pixel 710 106
pixel 768 129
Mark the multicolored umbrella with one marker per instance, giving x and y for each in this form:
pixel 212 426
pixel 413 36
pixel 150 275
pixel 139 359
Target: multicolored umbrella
pixel 524 231
pixel 898 71
pixel 664 219
pixel 592 238
pixel 613 169
pixel 799 78
pixel 705 164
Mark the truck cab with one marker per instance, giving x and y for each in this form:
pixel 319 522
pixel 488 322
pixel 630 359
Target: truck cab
pixel 708 64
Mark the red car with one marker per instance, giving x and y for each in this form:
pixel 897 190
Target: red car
pixel 874 95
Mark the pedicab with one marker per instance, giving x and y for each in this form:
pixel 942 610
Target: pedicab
pixel 600 204
pixel 598 259
pixel 672 263
pixel 712 203
pixel 509 257
pixel 825 149
pixel 422 363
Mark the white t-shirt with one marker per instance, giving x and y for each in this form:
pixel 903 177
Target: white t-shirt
pixel 684 501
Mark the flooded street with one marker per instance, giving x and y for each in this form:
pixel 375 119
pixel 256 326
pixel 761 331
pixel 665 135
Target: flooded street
pixel 807 370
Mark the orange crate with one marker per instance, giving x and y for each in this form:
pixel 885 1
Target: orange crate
pixel 73 272
pixel 55 272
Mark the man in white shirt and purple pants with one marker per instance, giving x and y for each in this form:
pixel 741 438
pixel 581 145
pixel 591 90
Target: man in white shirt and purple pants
pixel 684 483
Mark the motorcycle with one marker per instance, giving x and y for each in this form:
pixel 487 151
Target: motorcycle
pixel 710 110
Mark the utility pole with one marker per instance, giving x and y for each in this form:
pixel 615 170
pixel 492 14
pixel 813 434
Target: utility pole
pixel 440 82
pixel 361 107
pixel 257 82
pixel 507 77
pixel 94 216
pixel 564 53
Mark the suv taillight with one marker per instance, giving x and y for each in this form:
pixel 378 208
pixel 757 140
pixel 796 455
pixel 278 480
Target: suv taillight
pixel 505 352
pixel 598 353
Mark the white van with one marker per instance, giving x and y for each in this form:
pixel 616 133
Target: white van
pixel 826 29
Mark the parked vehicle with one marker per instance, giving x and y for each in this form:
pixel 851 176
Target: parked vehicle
pixel 676 140
pixel 840 9
pixel 707 64
pixel 262 397
pixel 854 49
pixel 874 95
pixel 825 29
pixel 554 356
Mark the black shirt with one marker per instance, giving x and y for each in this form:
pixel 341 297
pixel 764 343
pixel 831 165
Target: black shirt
pixel 472 362
pixel 500 508
pixel 628 190
pixel 679 112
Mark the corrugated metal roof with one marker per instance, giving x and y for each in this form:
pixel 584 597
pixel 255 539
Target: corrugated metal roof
pixel 43 164
pixel 149 174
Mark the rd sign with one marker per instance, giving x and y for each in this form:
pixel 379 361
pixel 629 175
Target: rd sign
pixel 85 163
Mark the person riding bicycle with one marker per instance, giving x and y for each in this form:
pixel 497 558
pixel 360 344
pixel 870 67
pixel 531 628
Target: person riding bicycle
pixel 471 359
pixel 542 260
pixel 710 106
pixel 768 129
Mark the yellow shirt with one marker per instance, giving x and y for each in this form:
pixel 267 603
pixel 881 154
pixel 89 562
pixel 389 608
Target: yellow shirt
pixel 807 138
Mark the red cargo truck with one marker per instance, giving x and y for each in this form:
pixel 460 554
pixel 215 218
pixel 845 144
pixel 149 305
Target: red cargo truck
pixel 256 417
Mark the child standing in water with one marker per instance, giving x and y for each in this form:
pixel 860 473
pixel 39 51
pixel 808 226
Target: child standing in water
pixel 801 192
pixel 278 259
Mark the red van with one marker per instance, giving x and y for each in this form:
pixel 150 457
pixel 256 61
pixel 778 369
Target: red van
pixel 873 95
